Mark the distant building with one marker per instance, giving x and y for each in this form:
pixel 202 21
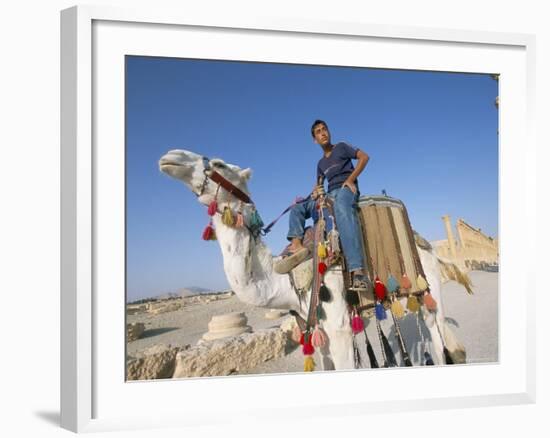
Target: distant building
pixel 472 249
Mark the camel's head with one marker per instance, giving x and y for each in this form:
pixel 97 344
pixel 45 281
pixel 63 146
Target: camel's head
pixel 189 168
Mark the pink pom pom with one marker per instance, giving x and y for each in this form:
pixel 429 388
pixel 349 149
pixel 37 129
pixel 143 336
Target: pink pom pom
pixel 318 338
pixel 405 282
pixel 212 208
pixel 208 232
pixel 239 223
pixel 429 302
pixel 357 324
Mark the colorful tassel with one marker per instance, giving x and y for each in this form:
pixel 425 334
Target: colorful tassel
pixel 429 302
pixel 379 289
pixel 357 361
pixel 209 233
pixel 397 309
pixel 321 315
pixel 239 222
pixel 296 334
pixel 352 298
pixel 324 293
pixel 309 364
pixel 212 208
pixel 307 348
pixel 318 337
pixel 322 268
pixel 370 352
pixel 392 284
pixel 448 359
pixel 357 324
pixel 322 250
pixel 405 282
pixel 380 312
pixel 412 304
pixel 421 282
pixel 390 357
pixel 227 217
pixel 428 357
pixel 255 220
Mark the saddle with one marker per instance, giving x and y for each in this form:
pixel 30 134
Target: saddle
pixel 389 245
pixel 389 249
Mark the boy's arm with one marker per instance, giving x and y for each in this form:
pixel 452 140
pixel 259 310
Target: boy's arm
pixel 363 159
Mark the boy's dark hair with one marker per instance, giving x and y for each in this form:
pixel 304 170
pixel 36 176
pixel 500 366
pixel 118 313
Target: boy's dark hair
pixel 315 123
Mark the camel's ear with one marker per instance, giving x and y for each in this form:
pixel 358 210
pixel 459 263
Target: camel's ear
pixel 246 173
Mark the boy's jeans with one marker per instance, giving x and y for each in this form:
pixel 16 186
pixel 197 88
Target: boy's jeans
pixel 347 222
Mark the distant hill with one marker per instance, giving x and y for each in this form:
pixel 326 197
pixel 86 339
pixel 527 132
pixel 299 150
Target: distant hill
pixel 192 290
pixel 183 292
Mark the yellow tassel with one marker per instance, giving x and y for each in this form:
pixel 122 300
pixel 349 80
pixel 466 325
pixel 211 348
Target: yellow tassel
pixel 412 304
pixel 309 364
pixel 397 309
pixel 227 217
pixel 322 250
pixel 421 283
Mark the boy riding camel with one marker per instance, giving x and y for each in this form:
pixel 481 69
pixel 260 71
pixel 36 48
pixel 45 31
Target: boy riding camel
pixel 343 189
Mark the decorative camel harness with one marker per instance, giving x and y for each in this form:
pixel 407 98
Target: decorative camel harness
pixel 309 333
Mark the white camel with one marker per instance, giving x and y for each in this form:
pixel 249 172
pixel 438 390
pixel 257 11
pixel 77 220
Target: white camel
pixel 248 265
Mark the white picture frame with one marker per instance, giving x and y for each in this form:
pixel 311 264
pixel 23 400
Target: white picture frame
pixel 92 396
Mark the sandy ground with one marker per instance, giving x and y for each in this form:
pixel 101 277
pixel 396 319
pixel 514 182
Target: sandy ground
pixel 474 319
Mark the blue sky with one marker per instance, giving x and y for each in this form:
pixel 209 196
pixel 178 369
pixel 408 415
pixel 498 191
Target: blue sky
pixel 432 138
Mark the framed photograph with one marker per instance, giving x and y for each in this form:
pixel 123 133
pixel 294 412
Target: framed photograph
pixel 183 136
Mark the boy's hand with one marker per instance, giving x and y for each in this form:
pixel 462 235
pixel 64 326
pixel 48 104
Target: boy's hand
pixel 350 185
pixel 317 191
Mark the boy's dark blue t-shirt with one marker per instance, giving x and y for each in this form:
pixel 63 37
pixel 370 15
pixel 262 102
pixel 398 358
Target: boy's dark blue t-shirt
pixel 337 166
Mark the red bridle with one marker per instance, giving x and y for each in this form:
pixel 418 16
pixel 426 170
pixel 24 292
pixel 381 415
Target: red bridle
pixel 229 186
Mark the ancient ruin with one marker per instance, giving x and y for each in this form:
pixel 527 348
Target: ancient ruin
pixel 134 331
pixel 472 250
pixel 223 326
pixel 231 355
pixel 275 314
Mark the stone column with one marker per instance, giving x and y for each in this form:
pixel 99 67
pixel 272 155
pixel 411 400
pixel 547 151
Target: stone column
pixel 450 237
pixel 461 236
pixel 223 326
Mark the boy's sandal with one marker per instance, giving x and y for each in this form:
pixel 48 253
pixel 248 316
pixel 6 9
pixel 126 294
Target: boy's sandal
pixel 361 283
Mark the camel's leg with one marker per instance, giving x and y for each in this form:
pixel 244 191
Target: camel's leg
pixel 327 363
pixel 341 348
pixel 430 265
pixel 437 344
pixel 337 325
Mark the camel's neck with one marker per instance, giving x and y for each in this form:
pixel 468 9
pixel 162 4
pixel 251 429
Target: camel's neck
pixel 248 266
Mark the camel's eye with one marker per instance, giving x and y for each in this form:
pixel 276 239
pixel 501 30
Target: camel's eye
pixel 218 165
